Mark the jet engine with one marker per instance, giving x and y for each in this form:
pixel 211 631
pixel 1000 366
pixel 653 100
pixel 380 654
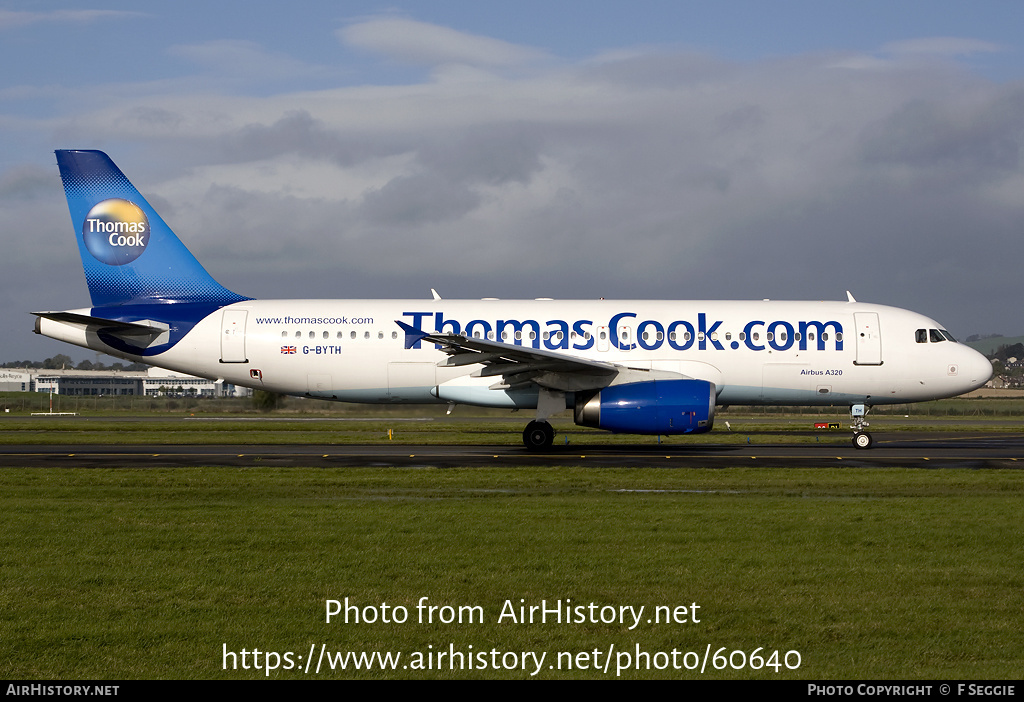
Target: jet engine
pixel 683 406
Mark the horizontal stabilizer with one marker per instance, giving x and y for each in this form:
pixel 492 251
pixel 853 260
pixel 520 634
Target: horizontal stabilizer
pixel 146 332
pixel 111 324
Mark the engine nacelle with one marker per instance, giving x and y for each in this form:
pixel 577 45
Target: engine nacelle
pixel 684 406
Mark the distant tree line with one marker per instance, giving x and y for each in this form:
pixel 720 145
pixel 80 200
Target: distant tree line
pixel 64 362
pixel 1005 352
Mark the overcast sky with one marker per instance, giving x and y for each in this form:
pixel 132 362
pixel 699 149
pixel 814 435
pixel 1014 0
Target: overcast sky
pixel 660 149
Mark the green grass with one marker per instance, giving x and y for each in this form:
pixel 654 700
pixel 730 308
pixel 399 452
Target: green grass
pixel 504 430
pixel 867 573
pixel 24 403
pixel 126 421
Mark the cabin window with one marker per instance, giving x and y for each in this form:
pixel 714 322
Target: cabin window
pixel 728 336
pixel 353 335
pixel 366 335
pixel 327 335
pixel 839 336
pixel 298 334
pixel 284 334
pixel 394 335
pixel 770 336
pixel 743 336
pixel 380 335
pixel 824 336
pixel 755 336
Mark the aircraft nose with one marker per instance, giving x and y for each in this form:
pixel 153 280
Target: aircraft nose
pixel 975 369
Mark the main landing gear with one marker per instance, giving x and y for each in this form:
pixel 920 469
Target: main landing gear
pixel 861 438
pixel 538 436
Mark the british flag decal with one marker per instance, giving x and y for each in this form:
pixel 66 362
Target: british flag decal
pixel 288 349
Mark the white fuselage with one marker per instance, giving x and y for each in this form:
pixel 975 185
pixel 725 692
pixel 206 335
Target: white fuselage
pixel 755 352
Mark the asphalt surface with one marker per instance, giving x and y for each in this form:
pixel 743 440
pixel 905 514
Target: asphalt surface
pixel 965 450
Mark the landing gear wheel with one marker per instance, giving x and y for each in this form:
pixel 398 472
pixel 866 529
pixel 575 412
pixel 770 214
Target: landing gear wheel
pixel 538 436
pixel 862 440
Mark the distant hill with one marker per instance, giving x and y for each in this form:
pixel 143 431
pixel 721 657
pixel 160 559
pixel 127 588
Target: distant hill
pixel 989 346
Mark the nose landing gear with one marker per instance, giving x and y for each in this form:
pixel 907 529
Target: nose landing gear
pixel 861 438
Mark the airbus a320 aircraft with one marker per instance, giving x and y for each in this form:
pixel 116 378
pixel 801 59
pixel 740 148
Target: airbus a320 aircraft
pixel 644 367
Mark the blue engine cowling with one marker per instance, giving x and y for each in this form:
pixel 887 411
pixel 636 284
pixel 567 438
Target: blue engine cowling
pixel 682 406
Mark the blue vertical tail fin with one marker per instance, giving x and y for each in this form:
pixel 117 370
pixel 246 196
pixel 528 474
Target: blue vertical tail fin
pixel 129 253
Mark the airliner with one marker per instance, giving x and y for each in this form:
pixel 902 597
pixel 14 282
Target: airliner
pixel 631 366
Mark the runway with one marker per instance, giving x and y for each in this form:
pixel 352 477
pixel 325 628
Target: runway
pixel 964 450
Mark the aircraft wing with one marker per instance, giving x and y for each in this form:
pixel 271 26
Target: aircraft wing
pixel 518 365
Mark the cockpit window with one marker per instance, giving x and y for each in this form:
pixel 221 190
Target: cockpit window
pixel 923 336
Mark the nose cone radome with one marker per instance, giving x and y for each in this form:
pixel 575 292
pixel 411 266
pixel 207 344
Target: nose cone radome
pixel 975 369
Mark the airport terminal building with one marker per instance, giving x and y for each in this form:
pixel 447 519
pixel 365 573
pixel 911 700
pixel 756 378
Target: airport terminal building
pixel 155 382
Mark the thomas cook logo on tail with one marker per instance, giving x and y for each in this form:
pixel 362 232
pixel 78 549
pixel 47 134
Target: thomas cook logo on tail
pixel 116 232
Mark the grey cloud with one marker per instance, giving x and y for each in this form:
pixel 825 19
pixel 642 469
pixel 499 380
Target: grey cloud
pixel 418 199
pixel 923 134
pixel 27 183
pixel 660 69
pixel 153 118
pixel 941 46
pixel 299 133
pixel 493 155
pixel 422 42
